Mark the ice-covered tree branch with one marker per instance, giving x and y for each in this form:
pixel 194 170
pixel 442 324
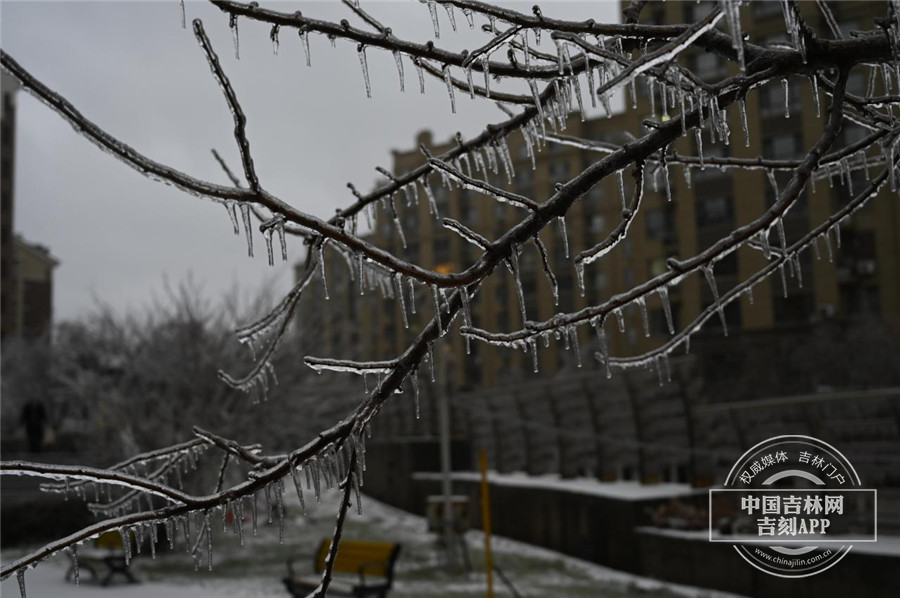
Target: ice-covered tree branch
pixel 593 58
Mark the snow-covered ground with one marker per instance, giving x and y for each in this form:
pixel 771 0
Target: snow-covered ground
pixel 256 568
pixel 620 489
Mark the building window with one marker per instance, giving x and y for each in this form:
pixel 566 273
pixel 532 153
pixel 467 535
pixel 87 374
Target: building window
pixel 559 172
pixel 783 147
pixel 600 281
pixel 660 224
pixel 441 196
pixel 657 266
pixel 714 210
pixel 728 265
pixel 410 218
pixel 793 309
pixel 524 181
pixel 442 251
pixel 654 14
pixel 852 133
pixel 696 11
pixel 859 299
pixel 598 223
pixel 706 65
pixel 771 99
pixel 766 10
pixel 566 297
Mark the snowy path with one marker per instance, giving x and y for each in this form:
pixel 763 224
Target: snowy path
pixel 256 569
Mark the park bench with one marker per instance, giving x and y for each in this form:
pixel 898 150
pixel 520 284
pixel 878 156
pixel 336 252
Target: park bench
pixel 107 553
pixel 362 559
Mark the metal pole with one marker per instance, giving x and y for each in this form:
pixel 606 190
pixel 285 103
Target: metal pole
pixel 446 484
pixel 486 523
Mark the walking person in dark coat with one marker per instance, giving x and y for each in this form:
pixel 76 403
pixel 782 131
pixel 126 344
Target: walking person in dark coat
pixel 34 416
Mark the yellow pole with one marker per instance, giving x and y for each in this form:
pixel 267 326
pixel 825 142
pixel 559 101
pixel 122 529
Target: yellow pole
pixel 486 523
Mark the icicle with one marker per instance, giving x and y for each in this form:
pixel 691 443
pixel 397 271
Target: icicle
pixel 414 378
pixel 248 227
pixel 561 220
pixel 451 16
pixel 183 26
pixel 431 359
pixel 667 307
pixel 279 230
pixel 814 81
pixel 126 544
pixel 828 246
pixel 279 509
pixel 397 223
pixel 579 274
pixel 398 284
pixel 73 551
pixel 466 312
pixel 209 551
pixel 620 180
pixel 538 105
pixel 399 60
pixel 664 100
pixel 514 266
pixel 711 281
pixel 731 8
pixel 304 38
pixel 412 295
pixel 743 107
pixel 437 308
pixel 232 23
pixel 782 238
pixel 573 332
pixel 321 251
pixel 783 279
pixel 749 293
pixel 20 577
pixel 432 8
pixel 532 344
pixel 642 305
pixel 170 533
pixel 421 75
pixel 361 50
pixel 446 71
pixel 604 346
pixel 485 68
pixel 589 72
pixel 267 236
pixel 787 98
pixel 699 138
pixel 764 242
pixel 620 318
pixel 469 17
pixel 273 35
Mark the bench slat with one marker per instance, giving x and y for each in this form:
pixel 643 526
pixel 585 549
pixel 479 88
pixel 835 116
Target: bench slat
pixel 353 554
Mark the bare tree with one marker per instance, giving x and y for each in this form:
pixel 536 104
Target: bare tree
pixel 591 59
pixel 138 380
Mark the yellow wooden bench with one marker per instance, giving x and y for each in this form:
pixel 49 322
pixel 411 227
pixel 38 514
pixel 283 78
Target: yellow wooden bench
pixel 366 560
pixel 108 552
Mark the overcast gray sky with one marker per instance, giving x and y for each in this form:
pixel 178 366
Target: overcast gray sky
pixel 132 69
